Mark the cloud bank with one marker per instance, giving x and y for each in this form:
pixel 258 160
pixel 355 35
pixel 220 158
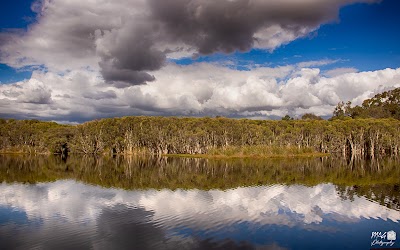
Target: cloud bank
pixel 202 89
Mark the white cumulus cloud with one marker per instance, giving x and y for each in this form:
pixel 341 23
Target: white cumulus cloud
pixel 199 89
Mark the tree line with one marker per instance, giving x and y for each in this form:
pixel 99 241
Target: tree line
pixel 345 133
pixel 161 135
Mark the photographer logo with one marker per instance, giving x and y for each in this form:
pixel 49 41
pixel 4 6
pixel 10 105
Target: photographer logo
pixel 386 239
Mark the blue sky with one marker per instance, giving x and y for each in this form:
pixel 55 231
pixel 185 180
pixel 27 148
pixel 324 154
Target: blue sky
pixel 15 15
pixel 74 61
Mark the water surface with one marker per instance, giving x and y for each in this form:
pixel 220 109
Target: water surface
pixel 174 203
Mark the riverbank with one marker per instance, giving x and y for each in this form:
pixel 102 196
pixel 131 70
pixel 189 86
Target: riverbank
pixel 228 152
pixel 255 152
pixel 206 156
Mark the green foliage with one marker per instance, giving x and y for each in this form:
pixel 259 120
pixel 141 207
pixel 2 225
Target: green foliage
pixel 194 136
pixel 384 105
pixel 310 116
pixel 342 110
pixel 287 118
pixel 58 138
pixel 31 136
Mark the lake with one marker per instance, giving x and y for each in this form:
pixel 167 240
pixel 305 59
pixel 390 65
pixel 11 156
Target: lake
pixel 47 202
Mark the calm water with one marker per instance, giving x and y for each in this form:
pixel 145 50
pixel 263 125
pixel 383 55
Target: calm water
pixel 173 203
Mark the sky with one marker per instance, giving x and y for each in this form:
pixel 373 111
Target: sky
pixel 74 61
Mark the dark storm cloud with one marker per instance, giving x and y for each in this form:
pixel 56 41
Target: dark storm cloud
pixel 218 26
pixel 231 25
pixel 129 52
pixel 208 27
pixel 123 77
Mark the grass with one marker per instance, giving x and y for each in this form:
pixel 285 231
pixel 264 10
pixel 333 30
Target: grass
pixel 256 151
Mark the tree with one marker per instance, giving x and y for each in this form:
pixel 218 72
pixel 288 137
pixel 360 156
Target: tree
pixel 287 118
pixel 342 110
pixel 384 105
pixel 311 116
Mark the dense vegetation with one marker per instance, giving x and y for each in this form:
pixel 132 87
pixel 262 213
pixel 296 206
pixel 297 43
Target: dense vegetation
pixel 345 134
pixel 375 179
pixel 159 135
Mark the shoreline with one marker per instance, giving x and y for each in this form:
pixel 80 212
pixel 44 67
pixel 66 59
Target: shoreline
pixel 206 156
pixel 203 156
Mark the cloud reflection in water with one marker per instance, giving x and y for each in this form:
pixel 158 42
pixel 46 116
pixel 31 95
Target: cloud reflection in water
pixel 97 217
